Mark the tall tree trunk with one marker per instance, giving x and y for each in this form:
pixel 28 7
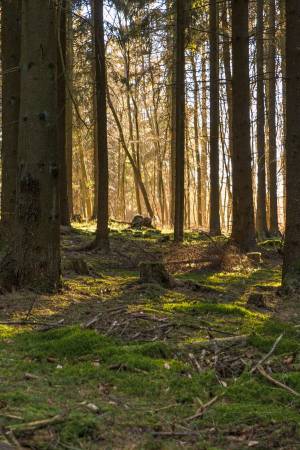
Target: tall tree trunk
pixel 228 77
pixel 204 140
pixel 243 230
pixel 180 120
pixel 214 222
pixel 271 91
pixel 69 106
pixel 196 137
pixel 36 252
pixel 61 111
pixel 10 55
pixel 283 75
pixel 261 212
pixel 291 265
pixel 102 233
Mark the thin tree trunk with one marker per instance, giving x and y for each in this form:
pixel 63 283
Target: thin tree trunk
pixel 180 120
pixel 204 141
pixel 271 83
pixel 69 106
pixel 196 137
pixel 61 111
pixel 10 56
pixel 102 233
pixel 261 212
pixel 136 170
pixel 243 230
pixel 214 219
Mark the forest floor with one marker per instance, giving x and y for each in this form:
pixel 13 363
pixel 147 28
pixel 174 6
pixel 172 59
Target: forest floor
pixel 111 363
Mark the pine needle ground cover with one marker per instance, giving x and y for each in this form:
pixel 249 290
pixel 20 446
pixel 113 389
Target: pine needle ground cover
pixel 112 363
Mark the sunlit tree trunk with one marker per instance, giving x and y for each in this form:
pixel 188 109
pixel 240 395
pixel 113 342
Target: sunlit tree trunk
pixel 271 98
pixel 180 120
pixel 261 214
pixel 243 230
pixel 214 216
pixel 102 232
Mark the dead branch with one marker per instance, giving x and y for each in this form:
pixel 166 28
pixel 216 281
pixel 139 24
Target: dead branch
pixel 30 426
pixel 268 355
pixel 201 411
pixel 276 382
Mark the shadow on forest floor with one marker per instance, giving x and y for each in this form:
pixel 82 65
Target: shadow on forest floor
pixel 129 364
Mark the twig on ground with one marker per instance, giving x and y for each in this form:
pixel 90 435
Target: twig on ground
pixel 201 411
pixel 30 426
pixel 268 355
pixel 91 322
pixel 276 382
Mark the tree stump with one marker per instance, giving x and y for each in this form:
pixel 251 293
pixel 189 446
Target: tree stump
pixel 155 272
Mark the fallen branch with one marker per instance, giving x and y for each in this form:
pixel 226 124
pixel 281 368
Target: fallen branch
pixel 201 411
pixel 268 355
pixel 30 426
pixel 91 322
pixel 276 382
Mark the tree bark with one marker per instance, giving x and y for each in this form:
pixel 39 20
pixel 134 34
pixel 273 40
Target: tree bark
pixel 180 120
pixel 197 143
pixel 214 222
pixel 261 211
pixel 36 250
pixel 69 106
pixel 272 154
pixel 243 230
pixel 61 111
pixel 291 265
pixel 10 55
pixel 102 233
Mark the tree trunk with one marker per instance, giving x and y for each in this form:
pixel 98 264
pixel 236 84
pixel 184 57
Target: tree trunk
pixel 61 111
pixel 272 155
pixel 10 55
pixel 69 106
pixel 36 253
pixel 291 265
pixel 180 120
pixel 214 222
pixel 261 212
pixel 102 234
pixel 243 230
pixel 196 137
pixel 204 141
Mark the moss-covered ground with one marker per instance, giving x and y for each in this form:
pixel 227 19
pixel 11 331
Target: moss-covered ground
pixel 124 365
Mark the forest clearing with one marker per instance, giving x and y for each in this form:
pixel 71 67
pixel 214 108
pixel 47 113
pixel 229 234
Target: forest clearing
pixel 150 224
pixel 111 362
